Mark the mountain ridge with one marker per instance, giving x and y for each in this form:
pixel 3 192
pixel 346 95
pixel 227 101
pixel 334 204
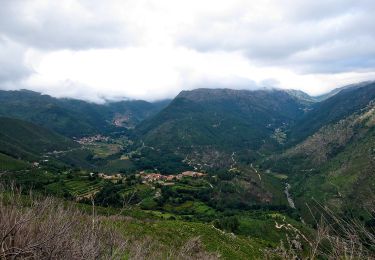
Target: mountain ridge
pixel 24 140
pixel 331 110
pixel 74 117
pixel 220 120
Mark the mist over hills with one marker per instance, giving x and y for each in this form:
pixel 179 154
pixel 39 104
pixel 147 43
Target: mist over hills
pixel 345 102
pixel 74 117
pixel 233 160
pixel 187 130
pixel 222 120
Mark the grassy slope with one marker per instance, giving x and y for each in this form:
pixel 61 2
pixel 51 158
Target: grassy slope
pixel 175 233
pixel 258 231
pixel 10 164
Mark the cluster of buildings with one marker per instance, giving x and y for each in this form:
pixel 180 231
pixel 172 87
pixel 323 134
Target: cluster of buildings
pixel 154 177
pixel 104 176
pixel 121 120
pixel 91 139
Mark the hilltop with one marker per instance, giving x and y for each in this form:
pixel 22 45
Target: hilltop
pixel 211 124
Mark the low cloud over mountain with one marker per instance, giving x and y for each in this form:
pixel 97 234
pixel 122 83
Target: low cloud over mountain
pixel 98 50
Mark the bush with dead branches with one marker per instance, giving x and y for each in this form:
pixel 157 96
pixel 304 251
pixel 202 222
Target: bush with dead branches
pixel 335 237
pixel 47 228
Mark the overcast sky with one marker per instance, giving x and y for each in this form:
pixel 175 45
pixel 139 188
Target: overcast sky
pixel 153 49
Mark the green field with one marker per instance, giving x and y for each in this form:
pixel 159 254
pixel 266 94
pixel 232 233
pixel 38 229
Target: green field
pixel 117 165
pixel 79 188
pixel 103 150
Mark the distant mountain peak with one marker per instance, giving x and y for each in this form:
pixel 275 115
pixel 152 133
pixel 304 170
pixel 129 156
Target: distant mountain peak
pixel 300 95
pixel 346 87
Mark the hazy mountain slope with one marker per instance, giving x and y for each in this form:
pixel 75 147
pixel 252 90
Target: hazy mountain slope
pixel 333 109
pixel 74 117
pixel 301 96
pixel 213 121
pixel 43 110
pixel 337 90
pixel 335 165
pixel 20 139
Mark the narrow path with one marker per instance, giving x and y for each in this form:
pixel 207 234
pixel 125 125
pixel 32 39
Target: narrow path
pixel 233 160
pixel 251 165
pixel 288 196
pixel 62 152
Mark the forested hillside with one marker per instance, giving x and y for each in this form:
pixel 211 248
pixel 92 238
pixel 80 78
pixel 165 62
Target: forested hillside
pixel 344 103
pixel 335 164
pixel 75 117
pixel 24 140
pixel 208 125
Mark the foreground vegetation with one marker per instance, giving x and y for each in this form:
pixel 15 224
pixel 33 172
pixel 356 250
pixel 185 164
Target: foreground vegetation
pixel 45 228
pixel 38 227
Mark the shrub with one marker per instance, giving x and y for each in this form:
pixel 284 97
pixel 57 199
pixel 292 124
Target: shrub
pixel 45 229
pixel 230 224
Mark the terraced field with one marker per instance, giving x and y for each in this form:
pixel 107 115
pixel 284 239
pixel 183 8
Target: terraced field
pixel 81 188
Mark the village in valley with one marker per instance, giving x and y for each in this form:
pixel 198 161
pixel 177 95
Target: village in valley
pixel 168 179
pixel 105 146
pixel 149 177
pixel 116 173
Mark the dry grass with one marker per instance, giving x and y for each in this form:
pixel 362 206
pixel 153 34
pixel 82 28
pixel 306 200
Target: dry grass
pixel 46 229
pixel 335 238
pixel 340 238
pixel 151 249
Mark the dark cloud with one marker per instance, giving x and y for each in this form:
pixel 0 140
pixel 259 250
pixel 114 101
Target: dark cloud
pixel 49 26
pixel 61 24
pixel 95 49
pixel 356 54
pixel 337 32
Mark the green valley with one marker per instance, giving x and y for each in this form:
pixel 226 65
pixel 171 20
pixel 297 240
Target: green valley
pixel 244 174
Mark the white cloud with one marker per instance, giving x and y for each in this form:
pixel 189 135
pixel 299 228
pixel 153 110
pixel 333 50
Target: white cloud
pixel 143 72
pixel 63 24
pixel 148 49
pixel 12 67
